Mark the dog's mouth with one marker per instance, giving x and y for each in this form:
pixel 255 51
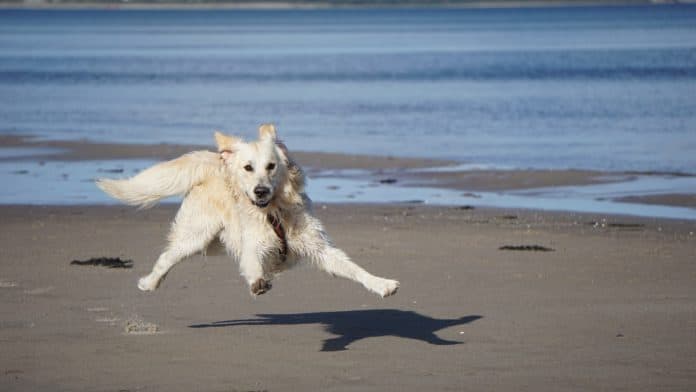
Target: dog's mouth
pixel 261 203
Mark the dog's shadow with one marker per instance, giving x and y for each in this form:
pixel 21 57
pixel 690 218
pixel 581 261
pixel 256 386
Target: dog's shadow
pixel 351 326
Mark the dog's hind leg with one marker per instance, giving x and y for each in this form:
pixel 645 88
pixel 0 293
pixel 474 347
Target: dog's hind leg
pixel 191 232
pixel 336 262
pixel 315 246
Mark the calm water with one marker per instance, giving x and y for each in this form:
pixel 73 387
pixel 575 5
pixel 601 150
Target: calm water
pixel 603 88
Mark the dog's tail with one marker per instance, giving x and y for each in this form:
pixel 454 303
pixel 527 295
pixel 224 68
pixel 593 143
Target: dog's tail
pixel 170 178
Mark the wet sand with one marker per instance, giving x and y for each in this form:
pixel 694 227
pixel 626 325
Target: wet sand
pixel 66 150
pixel 612 307
pixel 499 180
pixel 399 170
pixel 673 199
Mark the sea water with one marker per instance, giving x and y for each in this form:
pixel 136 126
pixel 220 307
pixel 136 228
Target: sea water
pixel 608 88
pixel 605 88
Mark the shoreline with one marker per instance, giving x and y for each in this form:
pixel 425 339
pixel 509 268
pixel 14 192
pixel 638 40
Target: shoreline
pixel 505 216
pixel 81 150
pixel 356 178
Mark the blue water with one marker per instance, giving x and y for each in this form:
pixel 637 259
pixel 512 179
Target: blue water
pixel 610 88
pixel 72 183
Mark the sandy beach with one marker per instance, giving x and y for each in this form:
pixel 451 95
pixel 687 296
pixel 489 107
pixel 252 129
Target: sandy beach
pixel 612 307
pixel 491 298
pixel 526 174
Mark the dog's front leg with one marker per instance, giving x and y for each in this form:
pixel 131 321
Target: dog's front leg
pixel 251 268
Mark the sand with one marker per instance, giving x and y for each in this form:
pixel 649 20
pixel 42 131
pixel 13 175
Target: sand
pixel 612 307
pixel 673 199
pixel 80 150
pixel 502 180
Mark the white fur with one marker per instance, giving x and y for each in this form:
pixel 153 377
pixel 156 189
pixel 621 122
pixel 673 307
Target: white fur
pixel 221 203
pixel 174 177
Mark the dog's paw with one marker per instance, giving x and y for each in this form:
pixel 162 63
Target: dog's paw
pixel 260 286
pixel 387 287
pixel 146 283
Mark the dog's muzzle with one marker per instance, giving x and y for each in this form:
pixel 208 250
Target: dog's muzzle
pixel 262 196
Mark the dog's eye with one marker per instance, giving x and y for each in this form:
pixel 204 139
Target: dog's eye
pixel 270 166
pixel 248 168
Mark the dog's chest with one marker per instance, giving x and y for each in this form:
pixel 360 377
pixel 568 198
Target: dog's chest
pixel 266 237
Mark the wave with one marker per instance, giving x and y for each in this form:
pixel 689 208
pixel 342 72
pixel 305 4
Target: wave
pixel 461 74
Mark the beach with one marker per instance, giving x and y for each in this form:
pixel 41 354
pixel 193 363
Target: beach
pixel 491 298
pixel 527 175
pixel 611 307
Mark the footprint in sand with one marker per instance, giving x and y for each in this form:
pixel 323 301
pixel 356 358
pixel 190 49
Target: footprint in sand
pixel 111 320
pixel 39 290
pixel 16 324
pixel 137 326
pixel 98 309
pixel 6 284
pixel 108 320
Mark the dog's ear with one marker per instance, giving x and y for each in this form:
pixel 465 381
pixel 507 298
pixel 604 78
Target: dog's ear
pixel 226 145
pixel 267 131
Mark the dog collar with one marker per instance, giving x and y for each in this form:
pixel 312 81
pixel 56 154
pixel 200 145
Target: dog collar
pixel 280 232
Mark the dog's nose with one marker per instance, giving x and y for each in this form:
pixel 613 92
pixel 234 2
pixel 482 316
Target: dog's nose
pixel 261 191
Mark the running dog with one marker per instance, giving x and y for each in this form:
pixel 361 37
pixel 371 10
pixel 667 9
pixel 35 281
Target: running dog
pixel 250 196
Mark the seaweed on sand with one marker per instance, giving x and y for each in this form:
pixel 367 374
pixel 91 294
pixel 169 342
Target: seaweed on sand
pixel 109 262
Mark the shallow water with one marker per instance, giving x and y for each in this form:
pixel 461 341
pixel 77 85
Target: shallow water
pixel 587 88
pixel 72 183
pixel 61 183
pixel 587 198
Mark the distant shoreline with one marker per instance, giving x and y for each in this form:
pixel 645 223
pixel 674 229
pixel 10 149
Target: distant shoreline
pixel 310 5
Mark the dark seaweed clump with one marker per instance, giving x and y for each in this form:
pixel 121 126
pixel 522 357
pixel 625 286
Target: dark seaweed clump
pixel 108 262
pixel 532 248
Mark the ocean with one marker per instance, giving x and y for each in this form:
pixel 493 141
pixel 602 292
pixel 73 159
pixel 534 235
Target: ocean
pixel 606 88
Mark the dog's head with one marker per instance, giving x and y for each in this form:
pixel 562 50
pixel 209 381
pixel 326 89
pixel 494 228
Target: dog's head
pixel 260 168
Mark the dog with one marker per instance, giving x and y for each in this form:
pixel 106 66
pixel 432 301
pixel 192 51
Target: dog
pixel 250 196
